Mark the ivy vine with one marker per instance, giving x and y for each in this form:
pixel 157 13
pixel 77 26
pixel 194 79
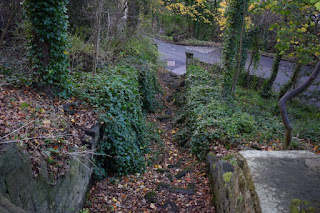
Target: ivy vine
pixel 234 14
pixel 48 43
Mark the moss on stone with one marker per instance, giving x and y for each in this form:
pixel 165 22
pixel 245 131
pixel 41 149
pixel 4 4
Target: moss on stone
pixel 228 157
pixel 231 159
pixel 298 206
pixel 211 154
pixel 294 206
pixel 214 166
pixel 227 177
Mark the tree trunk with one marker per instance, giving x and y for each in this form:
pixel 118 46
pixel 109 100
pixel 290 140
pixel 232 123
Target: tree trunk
pixel 236 74
pixel 97 28
pixel 291 82
pixel 248 71
pixel 289 96
pixel 12 15
pixel 274 72
pixel 133 16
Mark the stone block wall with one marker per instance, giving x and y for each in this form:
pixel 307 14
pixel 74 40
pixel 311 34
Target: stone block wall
pixel 232 187
pixel 18 185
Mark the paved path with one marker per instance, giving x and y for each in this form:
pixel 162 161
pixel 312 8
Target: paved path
pixel 174 56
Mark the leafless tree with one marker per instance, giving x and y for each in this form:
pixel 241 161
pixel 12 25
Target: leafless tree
pixel 289 96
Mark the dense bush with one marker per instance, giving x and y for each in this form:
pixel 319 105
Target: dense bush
pixel 81 54
pixel 209 118
pixel 120 93
pixel 115 92
pixel 143 54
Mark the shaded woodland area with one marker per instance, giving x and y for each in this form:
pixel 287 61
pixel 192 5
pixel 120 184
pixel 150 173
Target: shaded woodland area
pixel 66 66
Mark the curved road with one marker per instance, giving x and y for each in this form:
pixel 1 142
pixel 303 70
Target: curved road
pixel 175 58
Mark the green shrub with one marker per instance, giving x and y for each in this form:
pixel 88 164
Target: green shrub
pixel 209 118
pixel 115 92
pixel 143 54
pixel 81 54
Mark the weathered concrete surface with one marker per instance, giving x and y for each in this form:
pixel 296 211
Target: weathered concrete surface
pixel 266 182
pixel 283 176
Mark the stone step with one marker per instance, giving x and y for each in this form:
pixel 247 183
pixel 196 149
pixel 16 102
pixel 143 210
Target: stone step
pixel 177 165
pixel 190 190
pixel 183 173
pixel 171 206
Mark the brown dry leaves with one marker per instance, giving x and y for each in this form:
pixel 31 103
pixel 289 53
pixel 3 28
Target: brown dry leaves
pixel 40 126
pixel 126 194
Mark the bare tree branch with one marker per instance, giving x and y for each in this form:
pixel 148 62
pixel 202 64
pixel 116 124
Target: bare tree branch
pixel 289 96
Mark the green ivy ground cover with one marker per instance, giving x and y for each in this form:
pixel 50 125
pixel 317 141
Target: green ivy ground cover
pixel 122 94
pixel 210 118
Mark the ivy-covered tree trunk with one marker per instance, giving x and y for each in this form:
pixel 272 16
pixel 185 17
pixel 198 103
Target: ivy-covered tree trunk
pixel 266 90
pixel 48 43
pixel 291 82
pixel 240 61
pixel 232 33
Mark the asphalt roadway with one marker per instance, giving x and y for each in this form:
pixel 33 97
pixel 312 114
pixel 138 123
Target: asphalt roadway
pixel 174 58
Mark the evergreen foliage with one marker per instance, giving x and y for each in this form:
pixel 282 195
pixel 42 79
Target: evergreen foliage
pixel 210 119
pixel 232 33
pixel 48 42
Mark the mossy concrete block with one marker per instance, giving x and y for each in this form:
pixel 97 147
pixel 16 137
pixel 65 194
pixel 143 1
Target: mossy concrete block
pixel 162 171
pixel 178 164
pixel 283 176
pixel 169 204
pixel 211 161
pixel 266 182
pixel 162 185
pixel 162 118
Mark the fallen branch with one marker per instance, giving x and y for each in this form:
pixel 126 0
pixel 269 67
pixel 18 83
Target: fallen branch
pixel 85 154
pixel 18 129
pixel 40 137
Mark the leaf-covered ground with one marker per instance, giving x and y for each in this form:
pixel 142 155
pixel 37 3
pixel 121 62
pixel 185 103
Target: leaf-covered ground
pixel 176 182
pixel 49 130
